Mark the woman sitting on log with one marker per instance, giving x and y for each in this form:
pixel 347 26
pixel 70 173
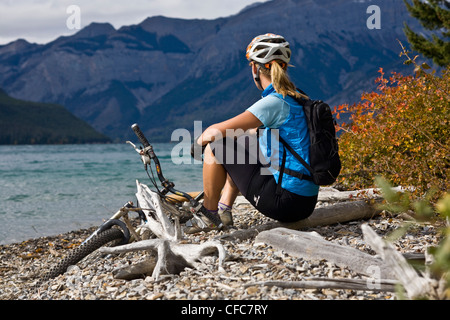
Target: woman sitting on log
pixel 251 163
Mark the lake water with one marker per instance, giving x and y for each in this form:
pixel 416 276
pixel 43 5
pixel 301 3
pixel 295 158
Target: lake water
pixel 48 189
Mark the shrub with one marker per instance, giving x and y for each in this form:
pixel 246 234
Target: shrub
pixel 400 132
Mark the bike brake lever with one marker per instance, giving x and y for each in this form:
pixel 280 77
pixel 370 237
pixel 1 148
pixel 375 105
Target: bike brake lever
pixel 134 146
pixel 144 157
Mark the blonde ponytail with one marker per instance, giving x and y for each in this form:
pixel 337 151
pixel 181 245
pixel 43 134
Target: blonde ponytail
pixel 280 79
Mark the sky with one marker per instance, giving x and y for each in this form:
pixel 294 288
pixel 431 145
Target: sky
pixel 41 21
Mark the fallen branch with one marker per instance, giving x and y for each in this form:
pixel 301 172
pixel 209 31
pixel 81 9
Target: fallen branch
pixel 313 247
pixel 330 283
pixel 415 285
pixel 337 213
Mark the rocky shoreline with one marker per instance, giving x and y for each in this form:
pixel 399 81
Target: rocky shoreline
pixel 247 263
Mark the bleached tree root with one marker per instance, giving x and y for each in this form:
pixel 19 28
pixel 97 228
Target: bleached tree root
pixel 168 255
pixel 159 222
pixel 172 257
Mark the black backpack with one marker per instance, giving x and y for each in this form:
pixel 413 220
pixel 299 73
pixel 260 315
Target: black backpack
pixel 325 163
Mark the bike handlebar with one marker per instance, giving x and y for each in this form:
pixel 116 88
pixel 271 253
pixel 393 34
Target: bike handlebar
pixel 140 135
pixel 168 186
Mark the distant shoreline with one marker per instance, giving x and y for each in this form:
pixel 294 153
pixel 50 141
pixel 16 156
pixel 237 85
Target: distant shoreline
pixel 56 144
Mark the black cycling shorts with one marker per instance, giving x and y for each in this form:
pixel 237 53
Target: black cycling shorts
pixel 240 158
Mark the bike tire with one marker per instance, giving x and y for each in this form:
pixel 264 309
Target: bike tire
pixel 79 253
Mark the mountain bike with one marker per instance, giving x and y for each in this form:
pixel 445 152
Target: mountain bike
pixel 118 230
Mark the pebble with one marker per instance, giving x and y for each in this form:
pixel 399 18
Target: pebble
pixel 23 263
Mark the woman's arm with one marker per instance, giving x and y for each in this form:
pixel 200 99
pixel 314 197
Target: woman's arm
pixel 244 122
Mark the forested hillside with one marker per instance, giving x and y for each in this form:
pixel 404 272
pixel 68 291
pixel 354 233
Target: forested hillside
pixel 24 122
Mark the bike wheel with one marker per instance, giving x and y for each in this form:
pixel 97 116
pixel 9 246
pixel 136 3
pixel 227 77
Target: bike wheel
pixel 83 251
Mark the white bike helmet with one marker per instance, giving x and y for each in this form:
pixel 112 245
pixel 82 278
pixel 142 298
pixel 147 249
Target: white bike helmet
pixel 268 47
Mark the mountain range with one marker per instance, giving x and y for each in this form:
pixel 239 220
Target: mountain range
pixel 165 73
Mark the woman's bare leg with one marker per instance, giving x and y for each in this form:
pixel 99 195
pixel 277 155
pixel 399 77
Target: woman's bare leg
pixel 214 178
pixel 229 193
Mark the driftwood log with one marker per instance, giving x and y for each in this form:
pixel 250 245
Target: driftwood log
pixel 311 246
pixel 327 194
pixel 332 214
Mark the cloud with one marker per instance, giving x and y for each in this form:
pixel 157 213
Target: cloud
pixel 44 20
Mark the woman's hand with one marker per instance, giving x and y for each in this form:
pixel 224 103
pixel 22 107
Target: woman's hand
pixel 233 127
pixel 197 150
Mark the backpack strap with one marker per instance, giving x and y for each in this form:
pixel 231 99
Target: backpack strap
pixel 298 175
pixel 299 158
pixel 282 171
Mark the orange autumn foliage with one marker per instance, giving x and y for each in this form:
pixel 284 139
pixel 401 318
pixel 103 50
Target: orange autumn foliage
pixel 400 132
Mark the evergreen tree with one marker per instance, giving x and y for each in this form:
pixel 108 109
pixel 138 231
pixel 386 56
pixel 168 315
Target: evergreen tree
pixel 434 15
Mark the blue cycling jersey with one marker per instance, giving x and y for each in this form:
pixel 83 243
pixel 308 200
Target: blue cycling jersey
pixel 283 116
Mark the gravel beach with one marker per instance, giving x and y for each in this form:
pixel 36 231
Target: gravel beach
pixel 22 264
